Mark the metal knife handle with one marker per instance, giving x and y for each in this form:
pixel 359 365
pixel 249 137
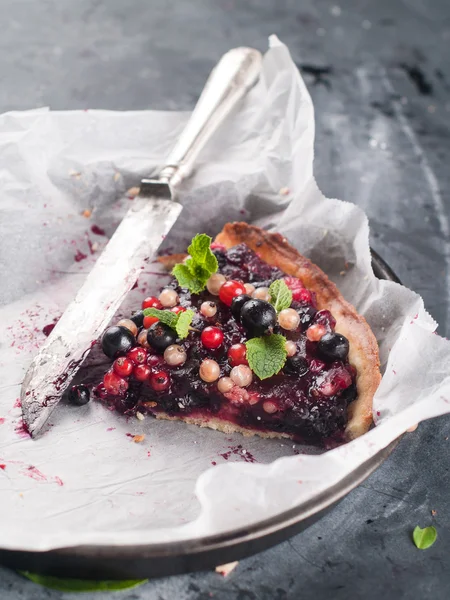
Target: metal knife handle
pixel 235 73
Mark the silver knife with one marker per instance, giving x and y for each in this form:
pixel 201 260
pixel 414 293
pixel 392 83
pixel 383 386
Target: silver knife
pixel 135 241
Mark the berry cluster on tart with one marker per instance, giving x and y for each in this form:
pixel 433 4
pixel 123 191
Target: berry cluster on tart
pixel 249 336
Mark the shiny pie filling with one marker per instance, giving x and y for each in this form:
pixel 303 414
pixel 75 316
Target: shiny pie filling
pixel 307 399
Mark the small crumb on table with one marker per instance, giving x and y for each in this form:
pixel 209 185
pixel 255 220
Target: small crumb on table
pixel 138 438
pixel 227 568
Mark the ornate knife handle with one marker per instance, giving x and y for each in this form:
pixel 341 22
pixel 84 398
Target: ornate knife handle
pixel 235 73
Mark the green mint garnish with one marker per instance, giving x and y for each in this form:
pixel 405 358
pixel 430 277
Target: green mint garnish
pixel 165 316
pixel 183 324
pixel 266 355
pixel 280 295
pixel 424 538
pixel 179 322
pixel 198 268
pixel 80 585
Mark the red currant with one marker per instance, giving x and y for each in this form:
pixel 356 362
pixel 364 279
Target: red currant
pixel 217 246
pixel 229 290
pixel 148 321
pixel 178 309
pixel 137 355
pixel 296 287
pixel 160 381
pixel 237 355
pixel 151 302
pixel 113 384
pixel 212 337
pixel 155 361
pixel 142 372
pixel 123 366
pixel 304 296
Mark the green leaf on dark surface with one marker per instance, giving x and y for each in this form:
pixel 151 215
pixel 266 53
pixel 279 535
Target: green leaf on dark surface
pixel 179 322
pixel 266 355
pixel 280 295
pixel 424 538
pixel 183 323
pixel 187 280
pixel 81 585
pixel 165 316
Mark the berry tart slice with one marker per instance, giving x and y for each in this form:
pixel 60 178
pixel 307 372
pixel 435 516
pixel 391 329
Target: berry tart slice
pixel 249 336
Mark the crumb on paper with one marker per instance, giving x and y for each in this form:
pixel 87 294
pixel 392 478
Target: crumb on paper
pixel 227 568
pixel 138 438
pixel 342 273
pixel 21 494
pixel 117 176
pixel 87 212
pixel 284 191
pixel 133 192
pixel 433 512
pixel 75 174
pixel 140 416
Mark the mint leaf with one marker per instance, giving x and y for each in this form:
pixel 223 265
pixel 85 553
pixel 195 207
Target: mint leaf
pixel 424 538
pixel 186 279
pixel 200 251
pixel 183 323
pixel 179 322
pixel 81 585
pixel 280 295
pixel 165 316
pixel 196 271
pixel 266 355
pixel 199 271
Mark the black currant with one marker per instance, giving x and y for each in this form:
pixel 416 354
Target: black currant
pixel 236 305
pixel 333 346
pixel 117 340
pixel 138 318
pixel 258 317
pixel 79 395
pixel 161 336
pixel 296 365
pixel 307 314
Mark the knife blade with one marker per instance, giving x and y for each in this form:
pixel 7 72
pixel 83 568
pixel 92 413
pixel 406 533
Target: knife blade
pixel 134 243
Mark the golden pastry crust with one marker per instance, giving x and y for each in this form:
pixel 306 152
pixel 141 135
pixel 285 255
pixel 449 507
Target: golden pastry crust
pixel 275 250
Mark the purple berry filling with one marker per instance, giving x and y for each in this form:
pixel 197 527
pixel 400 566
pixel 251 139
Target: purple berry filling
pixel 308 399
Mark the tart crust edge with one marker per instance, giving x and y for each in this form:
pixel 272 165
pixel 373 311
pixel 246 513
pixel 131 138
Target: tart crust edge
pixel 275 250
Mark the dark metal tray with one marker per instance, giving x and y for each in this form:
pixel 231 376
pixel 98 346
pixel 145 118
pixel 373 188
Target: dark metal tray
pixel 129 562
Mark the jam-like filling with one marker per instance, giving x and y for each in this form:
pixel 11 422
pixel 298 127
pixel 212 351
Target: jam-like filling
pixel 307 399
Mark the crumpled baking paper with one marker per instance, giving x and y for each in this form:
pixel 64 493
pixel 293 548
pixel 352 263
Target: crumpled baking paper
pixel 88 480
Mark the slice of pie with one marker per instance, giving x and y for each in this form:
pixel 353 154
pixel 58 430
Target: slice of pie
pixel 249 337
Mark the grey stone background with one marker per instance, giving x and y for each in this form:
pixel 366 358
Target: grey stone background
pixel 379 75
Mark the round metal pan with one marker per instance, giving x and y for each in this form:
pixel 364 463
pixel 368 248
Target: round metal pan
pixel 129 562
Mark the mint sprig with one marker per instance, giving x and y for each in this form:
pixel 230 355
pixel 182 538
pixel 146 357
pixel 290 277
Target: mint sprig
pixel 266 355
pixel 198 268
pixel 424 538
pixel 183 324
pixel 179 322
pixel 280 295
pixel 165 316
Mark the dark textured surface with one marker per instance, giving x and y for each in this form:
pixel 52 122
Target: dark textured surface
pixel 380 80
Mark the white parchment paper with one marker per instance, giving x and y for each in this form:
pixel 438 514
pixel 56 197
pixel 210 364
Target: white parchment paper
pixel 85 481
